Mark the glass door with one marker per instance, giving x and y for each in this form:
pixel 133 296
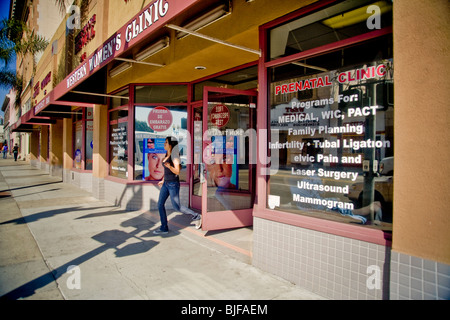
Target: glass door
pixel 197 176
pixel 226 173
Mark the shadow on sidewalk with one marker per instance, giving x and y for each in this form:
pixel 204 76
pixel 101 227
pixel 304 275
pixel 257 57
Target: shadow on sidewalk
pixel 32 185
pixel 141 237
pixel 51 213
pixel 110 239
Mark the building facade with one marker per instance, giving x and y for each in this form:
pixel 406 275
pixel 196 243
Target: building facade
pixel 287 121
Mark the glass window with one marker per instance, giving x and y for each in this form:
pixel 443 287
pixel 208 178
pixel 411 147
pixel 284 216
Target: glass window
pixel 118 143
pixel 120 99
pixel 331 121
pixel 339 22
pixel 89 138
pixel 161 94
pixel 78 152
pixel 83 132
pixel 152 125
pixel 244 79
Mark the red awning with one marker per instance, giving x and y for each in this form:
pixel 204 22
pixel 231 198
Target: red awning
pixel 149 20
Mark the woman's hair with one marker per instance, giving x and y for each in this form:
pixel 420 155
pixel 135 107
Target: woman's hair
pixel 172 141
pixel 174 148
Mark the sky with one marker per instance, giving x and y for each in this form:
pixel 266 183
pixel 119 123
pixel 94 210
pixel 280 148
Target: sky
pixel 4 14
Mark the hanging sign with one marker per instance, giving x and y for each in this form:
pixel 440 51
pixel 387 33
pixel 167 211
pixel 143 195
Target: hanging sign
pixel 220 115
pixel 160 119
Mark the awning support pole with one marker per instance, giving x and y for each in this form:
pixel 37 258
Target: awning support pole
pixel 140 62
pixel 194 33
pixel 99 94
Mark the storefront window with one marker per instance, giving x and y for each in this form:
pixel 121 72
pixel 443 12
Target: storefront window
pixel 243 79
pixel 336 23
pixel 331 121
pixel 152 125
pixel 89 138
pixel 83 132
pixel 161 94
pixel 120 98
pixel 78 153
pixel 118 143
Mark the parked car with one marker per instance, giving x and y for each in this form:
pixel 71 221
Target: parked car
pixel 387 166
pixel 383 191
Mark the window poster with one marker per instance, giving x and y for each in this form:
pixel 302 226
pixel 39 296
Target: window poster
pixel 152 163
pixel 329 132
pixel 118 145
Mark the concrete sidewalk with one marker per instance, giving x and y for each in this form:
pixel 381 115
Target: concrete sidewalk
pixel 59 242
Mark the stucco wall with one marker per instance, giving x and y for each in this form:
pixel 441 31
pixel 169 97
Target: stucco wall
pixel 422 122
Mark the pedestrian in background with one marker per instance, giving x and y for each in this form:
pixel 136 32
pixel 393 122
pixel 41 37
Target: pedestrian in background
pixel 5 151
pixel 15 151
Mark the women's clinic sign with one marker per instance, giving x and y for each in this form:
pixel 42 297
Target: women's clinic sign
pixel 160 119
pixel 154 16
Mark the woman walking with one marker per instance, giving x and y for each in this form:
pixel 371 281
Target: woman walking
pixel 170 186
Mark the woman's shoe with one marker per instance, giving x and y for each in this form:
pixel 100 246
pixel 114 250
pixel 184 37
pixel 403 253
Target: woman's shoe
pixel 198 220
pixel 159 231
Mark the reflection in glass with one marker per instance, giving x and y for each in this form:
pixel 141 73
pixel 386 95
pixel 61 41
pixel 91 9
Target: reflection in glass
pixel 226 154
pixel 89 143
pixel 198 154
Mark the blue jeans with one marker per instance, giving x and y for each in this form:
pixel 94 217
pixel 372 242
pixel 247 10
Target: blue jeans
pixel 172 189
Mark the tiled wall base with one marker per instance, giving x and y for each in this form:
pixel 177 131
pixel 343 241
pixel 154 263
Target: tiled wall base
pixel 418 279
pixel 43 166
pixel 82 180
pixel 98 188
pixel 53 170
pixel 331 266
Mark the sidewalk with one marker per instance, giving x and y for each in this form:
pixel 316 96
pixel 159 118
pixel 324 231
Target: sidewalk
pixel 47 226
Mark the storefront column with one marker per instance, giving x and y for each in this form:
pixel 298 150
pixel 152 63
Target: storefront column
pixel 67 149
pixel 43 155
pixel 56 148
pixel 34 148
pixel 100 145
pixel 421 224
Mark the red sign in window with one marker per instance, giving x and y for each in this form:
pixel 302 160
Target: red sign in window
pixel 160 119
pixel 219 115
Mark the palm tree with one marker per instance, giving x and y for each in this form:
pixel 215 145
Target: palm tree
pixel 13 42
pixel 10 32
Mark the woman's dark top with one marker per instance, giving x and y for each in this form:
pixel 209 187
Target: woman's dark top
pixel 169 175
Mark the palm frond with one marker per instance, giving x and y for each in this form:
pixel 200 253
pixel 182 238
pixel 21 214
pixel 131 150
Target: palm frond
pixel 62 5
pixel 8 79
pixel 33 44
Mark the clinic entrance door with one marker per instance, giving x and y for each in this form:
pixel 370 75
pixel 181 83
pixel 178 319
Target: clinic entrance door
pixel 224 158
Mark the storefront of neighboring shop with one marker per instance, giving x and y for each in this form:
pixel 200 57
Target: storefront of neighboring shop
pixel 284 114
